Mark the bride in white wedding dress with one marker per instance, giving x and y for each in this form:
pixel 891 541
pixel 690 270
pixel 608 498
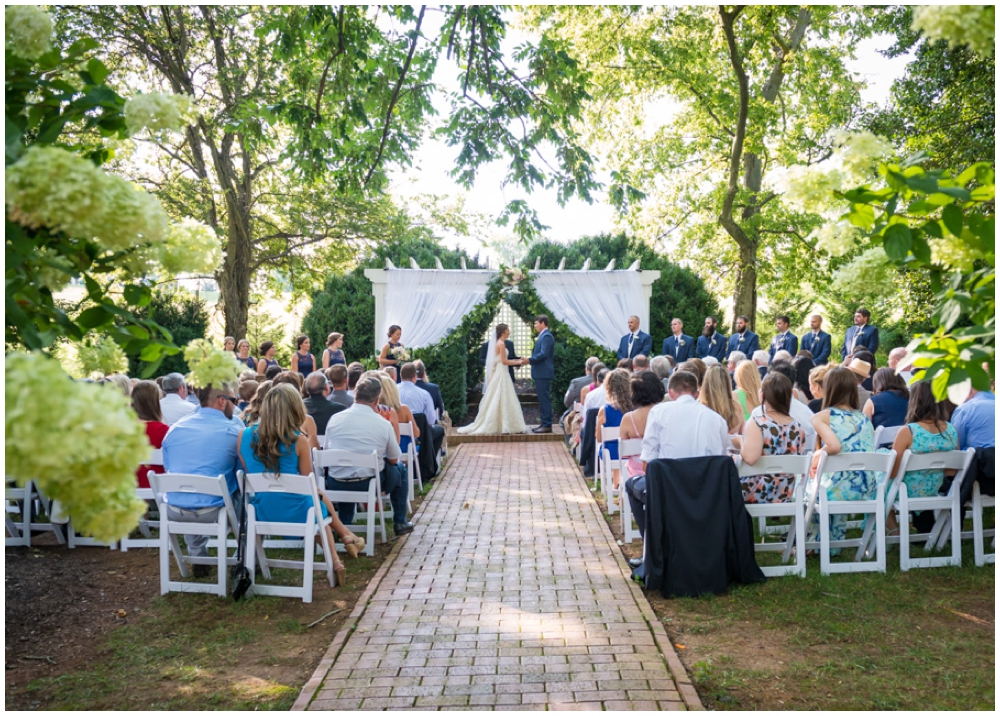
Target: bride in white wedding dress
pixel 499 410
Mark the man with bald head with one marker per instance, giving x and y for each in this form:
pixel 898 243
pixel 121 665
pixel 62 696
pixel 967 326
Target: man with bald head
pixel 635 342
pixel 817 341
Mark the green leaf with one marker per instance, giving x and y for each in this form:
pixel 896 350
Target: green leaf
pixel 862 216
pixel 953 191
pixel 922 183
pixel 98 71
pixel 897 241
pixel 921 249
pixel 136 295
pixel 95 317
pixel 951 215
pixel 948 313
pixel 933 228
pixel 983 193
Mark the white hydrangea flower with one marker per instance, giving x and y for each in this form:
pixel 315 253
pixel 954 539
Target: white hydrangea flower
pixel 52 269
pixel 159 112
pixel 190 246
pixel 954 253
pixel 836 238
pixel 80 442
pixel 102 355
pixel 29 31
pixel 210 365
pixel 856 153
pixel 810 188
pixel 972 25
pixel 870 273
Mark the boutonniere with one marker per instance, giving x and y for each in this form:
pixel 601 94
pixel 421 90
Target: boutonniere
pixel 681 342
pixel 713 341
pixel 741 338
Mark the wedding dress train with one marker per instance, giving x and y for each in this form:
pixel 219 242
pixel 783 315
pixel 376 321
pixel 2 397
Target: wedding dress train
pixel 499 410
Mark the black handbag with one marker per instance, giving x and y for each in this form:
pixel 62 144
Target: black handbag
pixel 239 575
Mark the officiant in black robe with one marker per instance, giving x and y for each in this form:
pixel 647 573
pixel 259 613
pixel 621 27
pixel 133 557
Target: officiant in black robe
pixel 511 355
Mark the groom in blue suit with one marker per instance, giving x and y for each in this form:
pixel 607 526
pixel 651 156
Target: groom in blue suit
pixel 636 342
pixel 542 362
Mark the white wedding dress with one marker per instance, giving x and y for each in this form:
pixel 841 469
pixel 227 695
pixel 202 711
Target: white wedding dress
pixel 499 410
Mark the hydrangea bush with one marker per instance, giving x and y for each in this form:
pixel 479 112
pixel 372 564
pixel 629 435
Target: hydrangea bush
pixel 210 365
pixel 972 25
pixel 102 355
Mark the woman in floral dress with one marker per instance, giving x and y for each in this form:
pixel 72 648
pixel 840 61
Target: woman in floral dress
pixel 773 433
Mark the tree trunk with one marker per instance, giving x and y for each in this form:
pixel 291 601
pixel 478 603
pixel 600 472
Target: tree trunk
pixel 745 293
pixel 234 282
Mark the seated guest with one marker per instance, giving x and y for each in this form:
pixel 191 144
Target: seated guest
pixel 294 379
pixel 252 413
pixel 802 365
pixel 309 425
pixel 782 355
pixel 390 370
pixel 747 391
pixel 354 372
pixel 273 372
pixel 899 362
pixel 890 400
pixel 716 394
pixel 244 357
pixel 774 432
pixel 420 401
pixel 709 361
pixel 431 388
pixel 805 354
pixel 734 360
pixel 317 404
pixel 696 366
pixel 267 352
pixel 392 397
pixel 645 391
pixel 640 362
pixel 924 431
pixel 761 359
pixel 624 364
pixel 174 404
pixel 383 408
pixel 598 396
pixel 798 409
pixel 862 353
pixel 247 389
pixel 146 404
pixel 247 375
pixel 361 429
pixel 975 423
pixel 594 382
pixel 617 390
pixel 660 365
pixel 337 375
pixel 578 384
pixel 861 369
pixel 120 381
pixel 204 443
pixel 842 428
pixel 275 446
pixel 816 386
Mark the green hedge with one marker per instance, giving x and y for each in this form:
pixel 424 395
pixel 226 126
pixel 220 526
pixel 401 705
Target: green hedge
pixel 181 313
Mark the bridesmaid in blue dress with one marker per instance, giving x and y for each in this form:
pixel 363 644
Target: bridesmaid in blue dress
pixel 275 446
pixel 385 358
pixel 267 351
pixel 243 355
pixel 303 362
pixel 842 428
pixel 618 393
pixel 333 355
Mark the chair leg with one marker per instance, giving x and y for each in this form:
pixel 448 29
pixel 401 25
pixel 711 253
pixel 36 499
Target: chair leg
pixel 904 529
pixel 824 536
pixel 221 553
pixel 977 526
pixel 308 557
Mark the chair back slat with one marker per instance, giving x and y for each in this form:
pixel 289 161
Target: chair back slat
pixel 777 464
pixel 632 447
pixel 609 434
pixel 406 430
pixel 264 482
pixel 155 457
pixel 884 436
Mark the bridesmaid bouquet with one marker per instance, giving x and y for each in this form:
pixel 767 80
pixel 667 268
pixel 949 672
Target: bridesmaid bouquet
pixel 400 354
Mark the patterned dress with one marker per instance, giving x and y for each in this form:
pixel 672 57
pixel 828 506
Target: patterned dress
pixel 778 440
pixel 855 432
pixel 926 483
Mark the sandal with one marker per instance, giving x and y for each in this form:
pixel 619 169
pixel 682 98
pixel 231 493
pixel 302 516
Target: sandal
pixel 339 574
pixel 354 546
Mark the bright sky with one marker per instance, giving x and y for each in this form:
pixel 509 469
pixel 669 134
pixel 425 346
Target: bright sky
pixel 429 174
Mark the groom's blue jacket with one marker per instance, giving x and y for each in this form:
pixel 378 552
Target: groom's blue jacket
pixel 542 357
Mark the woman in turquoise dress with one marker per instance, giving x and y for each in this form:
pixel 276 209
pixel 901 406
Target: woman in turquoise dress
pixel 925 431
pixel 618 389
pixel 274 445
pixel 842 428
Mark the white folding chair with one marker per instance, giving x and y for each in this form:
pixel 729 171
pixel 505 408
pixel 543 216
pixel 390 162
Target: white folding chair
pixel 817 501
pixel 626 449
pixel 885 436
pixel 609 434
pixel 323 459
pixel 145 525
pixel 409 459
pixel 305 485
pixel 169 529
pixel 18 502
pixel 797 465
pixel 34 503
pixel 948 508
pixel 979 535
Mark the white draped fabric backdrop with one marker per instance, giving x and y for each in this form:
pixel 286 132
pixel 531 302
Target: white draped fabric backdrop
pixel 595 304
pixel 428 303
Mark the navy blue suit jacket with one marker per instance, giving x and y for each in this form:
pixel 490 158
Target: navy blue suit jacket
pixel 642 345
pixel 751 343
pixel 819 345
pixel 680 353
pixel 543 357
pixel 717 351
pixel 790 343
pixel 868 339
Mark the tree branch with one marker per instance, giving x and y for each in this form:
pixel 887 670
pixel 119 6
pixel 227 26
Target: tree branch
pixel 335 55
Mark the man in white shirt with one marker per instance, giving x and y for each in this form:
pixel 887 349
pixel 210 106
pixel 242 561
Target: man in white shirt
pixel 360 429
pixel 419 400
pixel 174 405
pixel 597 397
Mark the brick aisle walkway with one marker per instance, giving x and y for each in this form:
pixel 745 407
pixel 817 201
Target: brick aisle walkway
pixel 509 594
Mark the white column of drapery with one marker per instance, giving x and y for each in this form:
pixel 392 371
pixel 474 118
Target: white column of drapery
pixel 595 304
pixel 428 303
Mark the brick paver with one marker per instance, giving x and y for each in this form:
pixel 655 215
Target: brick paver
pixel 508 594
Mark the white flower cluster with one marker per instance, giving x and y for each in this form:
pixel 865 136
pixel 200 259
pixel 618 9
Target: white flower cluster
pixel 29 31
pixel 80 442
pixel 972 25
pixel 870 273
pixel 101 355
pixel 210 365
pixel 159 112
pixel 190 246
pixel 954 253
pixel 52 270
pixel 836 238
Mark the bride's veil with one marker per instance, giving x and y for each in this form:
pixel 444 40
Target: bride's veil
pixel 491 357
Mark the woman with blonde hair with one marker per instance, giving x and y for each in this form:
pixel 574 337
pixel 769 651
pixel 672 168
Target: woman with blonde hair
pixel 252 413
pixel 618 391
pixel 332 354
pixel 747 391
pixel 390 398
pixel 816 376
pixel 274 445
pixel 716 393
pixel 383 408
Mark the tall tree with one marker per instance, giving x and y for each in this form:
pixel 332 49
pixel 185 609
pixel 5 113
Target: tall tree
pixel 306 108
pixel 735 92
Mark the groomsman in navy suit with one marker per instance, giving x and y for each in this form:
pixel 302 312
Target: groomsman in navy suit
pixel 636 342
pixel 679 346
pixel 817 341
pixel 785 340
pixel 711 343
pixel 744 339
pixel 860 334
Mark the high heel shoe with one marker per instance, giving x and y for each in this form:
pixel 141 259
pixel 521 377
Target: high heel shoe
pixel 354 546
pixel 339 574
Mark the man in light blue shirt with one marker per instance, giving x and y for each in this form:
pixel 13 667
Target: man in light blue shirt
pixel 419 400
pixel 975 420
pixel 204 443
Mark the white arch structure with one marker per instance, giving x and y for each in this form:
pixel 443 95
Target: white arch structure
pixel 428 303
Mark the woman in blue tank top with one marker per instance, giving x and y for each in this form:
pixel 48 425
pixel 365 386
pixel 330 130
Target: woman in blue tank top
pixel 275 446
pixel 618 393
